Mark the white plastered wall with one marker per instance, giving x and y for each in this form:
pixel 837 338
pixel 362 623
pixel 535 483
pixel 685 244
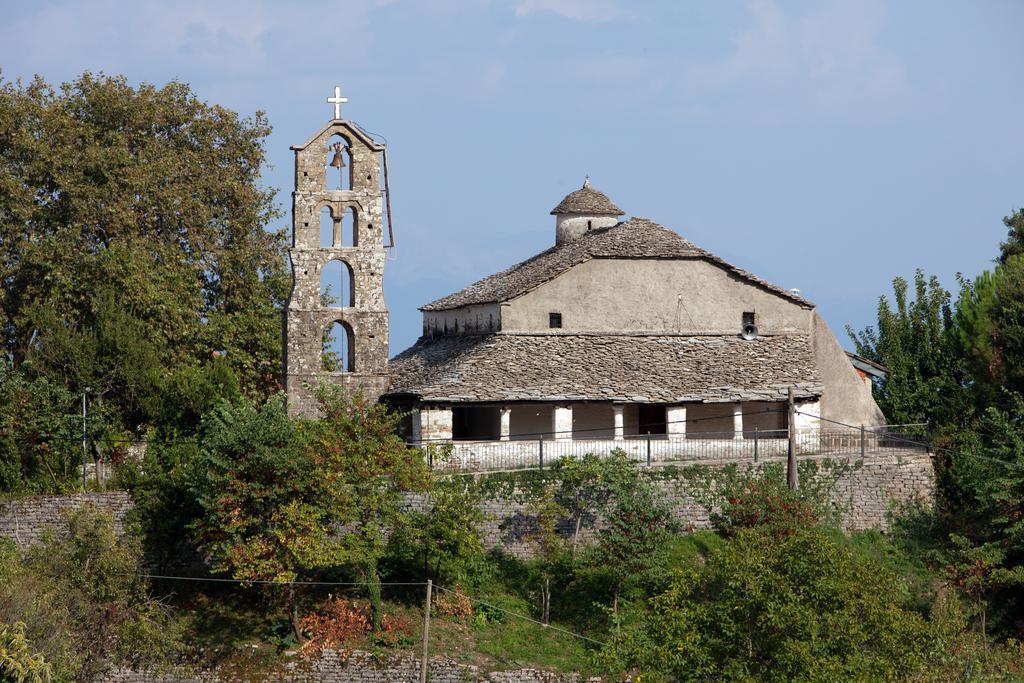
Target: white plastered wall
pixel 673 296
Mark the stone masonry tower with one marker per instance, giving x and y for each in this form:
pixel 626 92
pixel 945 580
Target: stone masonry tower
pixel 339 335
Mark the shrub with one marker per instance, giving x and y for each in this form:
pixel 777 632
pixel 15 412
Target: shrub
pixel 343 621
pixel 17 662
pixel 765 502
pixel 797 607
pixel 454 604
pixel 83 603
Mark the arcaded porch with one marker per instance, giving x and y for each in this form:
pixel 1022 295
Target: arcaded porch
pixel 599 421
pixel 536 435
pixel 530 434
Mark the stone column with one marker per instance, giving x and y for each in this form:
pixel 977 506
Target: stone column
pixel 808 425
pixel 417 426
pixel 506 421
pixel 562 423
pixel 435 424
pixel 737 421
pixel 620 431
pixel 675 417
pixel 808 416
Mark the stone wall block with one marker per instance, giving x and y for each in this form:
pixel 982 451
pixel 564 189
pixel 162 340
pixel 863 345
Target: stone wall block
pixel 27 520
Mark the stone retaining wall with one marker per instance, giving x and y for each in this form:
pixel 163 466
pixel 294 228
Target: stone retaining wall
pixel 865 493
pixel 25 520
pixel 358 667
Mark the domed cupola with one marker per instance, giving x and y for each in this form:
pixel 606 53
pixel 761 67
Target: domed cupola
pixel 583 210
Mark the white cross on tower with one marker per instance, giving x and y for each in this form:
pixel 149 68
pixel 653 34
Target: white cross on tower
pixel 337 101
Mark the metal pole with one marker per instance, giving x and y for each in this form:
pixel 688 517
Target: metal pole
pixel 84 449
pixel 755 444
pixel 424 665
pixel 862 441
pixel 648 449
pixel 540 443
pixel 791 474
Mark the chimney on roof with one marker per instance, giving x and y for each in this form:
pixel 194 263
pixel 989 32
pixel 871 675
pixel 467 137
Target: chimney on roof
pixel 581 211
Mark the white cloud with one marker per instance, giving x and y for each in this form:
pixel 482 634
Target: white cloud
pixel 830 58
pixel 577 10
pixel 230 37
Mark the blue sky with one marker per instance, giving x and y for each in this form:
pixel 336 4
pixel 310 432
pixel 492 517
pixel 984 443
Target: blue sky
pixel 826 146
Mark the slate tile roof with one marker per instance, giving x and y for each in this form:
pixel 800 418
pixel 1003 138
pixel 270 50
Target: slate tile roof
pixel 587 201
pixel 639 369
pixel 638 238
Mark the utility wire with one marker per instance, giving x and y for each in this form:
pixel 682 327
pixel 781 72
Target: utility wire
pixel 214 579
pixel 889 435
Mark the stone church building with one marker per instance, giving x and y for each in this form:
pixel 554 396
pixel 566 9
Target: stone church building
pixel 622 328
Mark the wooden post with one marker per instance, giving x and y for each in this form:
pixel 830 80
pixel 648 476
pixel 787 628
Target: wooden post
pixel 791 475
pixel 425 664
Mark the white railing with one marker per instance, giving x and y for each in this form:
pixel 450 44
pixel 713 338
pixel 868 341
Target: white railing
pixel 527 453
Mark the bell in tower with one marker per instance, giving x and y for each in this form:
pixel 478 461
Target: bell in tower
pixel 339 337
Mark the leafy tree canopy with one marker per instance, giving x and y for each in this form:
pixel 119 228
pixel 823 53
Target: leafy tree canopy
pixel 132 230
pixel 912 339
pixel 81 602
pixel 799 607
pixel 281 497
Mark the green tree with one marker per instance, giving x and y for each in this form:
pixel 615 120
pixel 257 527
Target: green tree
pixel 1008 320
pixel 587 485
pixel 281 498
pixel 447 536
pixel 112 357
pixel 799 607
pixel 977 570
pixel 135 210
pixel 263 513
pixel 83 604
pixel 1014 244
pixel 767 502
pixel 363 469
pixel 636 529
pixel 913 341
pixel 549 547
pixel 976 336
pixel 39 433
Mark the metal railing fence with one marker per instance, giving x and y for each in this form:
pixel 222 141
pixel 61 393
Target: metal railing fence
pixel 650 449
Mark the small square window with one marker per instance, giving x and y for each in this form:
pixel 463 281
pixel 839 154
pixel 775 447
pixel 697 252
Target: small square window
pixel 554 320
pixel 748 318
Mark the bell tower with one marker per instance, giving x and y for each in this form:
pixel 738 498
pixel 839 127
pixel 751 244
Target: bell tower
pixel 336 321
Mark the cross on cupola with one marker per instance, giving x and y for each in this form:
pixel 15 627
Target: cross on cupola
pixel 337 101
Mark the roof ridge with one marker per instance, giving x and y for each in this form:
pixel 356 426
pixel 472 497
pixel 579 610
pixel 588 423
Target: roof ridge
pixel 636 238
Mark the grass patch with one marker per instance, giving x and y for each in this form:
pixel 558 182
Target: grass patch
pixel 494 639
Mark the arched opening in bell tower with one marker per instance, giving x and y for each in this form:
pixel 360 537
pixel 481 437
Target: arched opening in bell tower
pixel 337 285
pixel 338 160
pixel 328 230
pixel 338 231
pixel 338 353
